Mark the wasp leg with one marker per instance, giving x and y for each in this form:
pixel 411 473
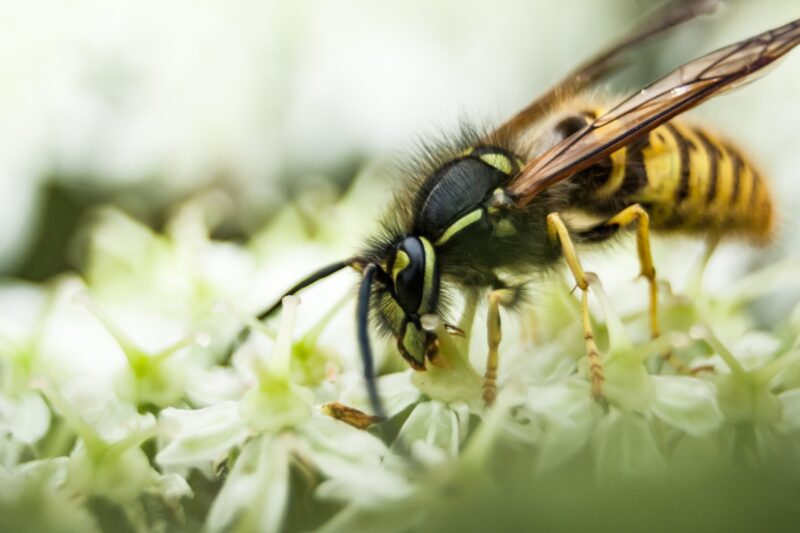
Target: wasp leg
pixel 635 213
pixel 494 336
pixel 629 215
pixel 505 296
pixel 557 230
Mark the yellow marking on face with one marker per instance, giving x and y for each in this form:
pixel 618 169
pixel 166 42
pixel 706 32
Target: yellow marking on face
pixel 413 343
pixel 458 225
pixel 499 161
pixel 428 281
pixel 466 152
pixel 391 311
pixel 401 261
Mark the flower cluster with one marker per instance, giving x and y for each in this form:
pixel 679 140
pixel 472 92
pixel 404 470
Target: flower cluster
pixel 121 402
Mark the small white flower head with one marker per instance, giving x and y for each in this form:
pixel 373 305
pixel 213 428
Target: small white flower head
pixel 117 469
pixel 248 430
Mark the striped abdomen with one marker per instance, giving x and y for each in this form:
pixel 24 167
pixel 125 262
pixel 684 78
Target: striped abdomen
pixel 689 180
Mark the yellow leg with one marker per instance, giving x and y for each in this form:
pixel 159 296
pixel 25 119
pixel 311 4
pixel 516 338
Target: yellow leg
pixel 558 230
pixel 494 336
pixel 503 296
pixel 629 215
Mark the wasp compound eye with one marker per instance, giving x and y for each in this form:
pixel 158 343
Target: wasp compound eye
pixel 414 276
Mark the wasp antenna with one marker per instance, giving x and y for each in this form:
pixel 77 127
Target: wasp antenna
pixel 324 272
pixel 362 320
pixel 314 277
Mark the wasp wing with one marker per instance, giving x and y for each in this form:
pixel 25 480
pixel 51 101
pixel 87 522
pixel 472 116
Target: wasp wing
pixel 605 63
pixel 654 105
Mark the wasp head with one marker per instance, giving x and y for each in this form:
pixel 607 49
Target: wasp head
pixel 410 290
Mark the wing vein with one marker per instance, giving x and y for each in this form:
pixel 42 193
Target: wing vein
pixel 684 88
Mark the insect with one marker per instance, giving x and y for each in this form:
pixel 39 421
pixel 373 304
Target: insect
pixel 493 207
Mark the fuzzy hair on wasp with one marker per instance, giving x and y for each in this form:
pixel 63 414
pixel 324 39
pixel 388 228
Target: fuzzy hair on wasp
pixel 482 213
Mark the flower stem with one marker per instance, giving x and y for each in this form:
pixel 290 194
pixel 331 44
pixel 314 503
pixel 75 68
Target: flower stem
pixel 708 335
pixel 771 369
pixel 95 444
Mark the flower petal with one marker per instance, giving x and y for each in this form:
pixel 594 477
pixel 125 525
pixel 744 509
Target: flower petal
pixel 197 438
pixel 687 403
pixel 256 492
pixel 625 446
pixel 27 418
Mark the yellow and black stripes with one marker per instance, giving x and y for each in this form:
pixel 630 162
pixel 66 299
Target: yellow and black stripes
pixel 689 181
pixel 714 154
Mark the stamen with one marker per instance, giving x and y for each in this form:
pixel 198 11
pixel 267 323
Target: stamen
pixel 280 362
pixel 250 321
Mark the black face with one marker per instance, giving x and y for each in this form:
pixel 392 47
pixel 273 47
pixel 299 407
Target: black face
pixel 408 274
pixel 413 287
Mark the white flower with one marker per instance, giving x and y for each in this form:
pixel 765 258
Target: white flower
pixel 254 425
pixel 25 417
pixel 110 464
pixel 273 425
pixel 687 404
pixel 558 419
pixel 30 501
pixel 625 444
pixel 197 438
pixel 434 431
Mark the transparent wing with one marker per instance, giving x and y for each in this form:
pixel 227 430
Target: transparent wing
pixel 606 62
pixel 654 105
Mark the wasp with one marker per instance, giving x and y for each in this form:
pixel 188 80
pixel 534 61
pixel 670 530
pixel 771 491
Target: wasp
pixel 478 214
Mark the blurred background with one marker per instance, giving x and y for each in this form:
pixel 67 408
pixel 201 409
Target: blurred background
pixel 177 111
pixel 142 104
